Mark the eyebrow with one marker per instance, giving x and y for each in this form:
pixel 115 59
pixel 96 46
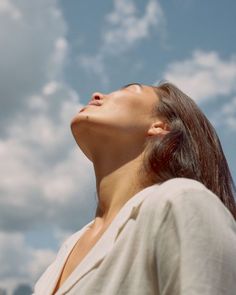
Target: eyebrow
pixel 130 84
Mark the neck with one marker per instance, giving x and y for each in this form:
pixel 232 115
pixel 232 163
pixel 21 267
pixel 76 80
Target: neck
pixel 117 182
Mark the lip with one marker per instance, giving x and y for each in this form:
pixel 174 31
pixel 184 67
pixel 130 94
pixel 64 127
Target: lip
pixel 95 103
pixel 82 109
pixel 91 103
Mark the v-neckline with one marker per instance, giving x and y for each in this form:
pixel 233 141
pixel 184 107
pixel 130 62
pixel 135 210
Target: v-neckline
pixel 99 249
pixel 67 255
pixel 71 251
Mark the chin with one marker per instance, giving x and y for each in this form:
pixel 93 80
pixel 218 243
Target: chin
pixel 76 124
pixel 73 123
pixel 76 119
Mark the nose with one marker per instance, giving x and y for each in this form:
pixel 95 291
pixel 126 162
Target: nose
pixel 97 96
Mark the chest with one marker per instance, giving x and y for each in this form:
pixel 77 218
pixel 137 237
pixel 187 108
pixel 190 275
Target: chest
pixel 77 254
pixel 126 269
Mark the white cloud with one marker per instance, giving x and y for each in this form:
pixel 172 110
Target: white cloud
pixel 58 56
pixel 32 140
pixel 207 77
pixel 44 177
pixel 230 108
pixel 204 76
pixel 8 8
pixel 20 262
pixel 96 65
pixel 61 183
pixel 227 115
pixel 32 49
pixel 125 26
pixel 50 88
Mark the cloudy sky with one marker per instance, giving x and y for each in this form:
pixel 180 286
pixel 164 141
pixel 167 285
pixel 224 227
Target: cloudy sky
pixel 53 56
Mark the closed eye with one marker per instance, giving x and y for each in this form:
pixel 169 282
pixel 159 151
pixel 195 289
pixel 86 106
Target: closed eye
pixel 131 84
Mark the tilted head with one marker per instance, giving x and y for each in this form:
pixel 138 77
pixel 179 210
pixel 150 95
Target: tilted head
pixel 176 138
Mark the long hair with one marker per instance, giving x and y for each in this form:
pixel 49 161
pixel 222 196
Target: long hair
pixel 191 149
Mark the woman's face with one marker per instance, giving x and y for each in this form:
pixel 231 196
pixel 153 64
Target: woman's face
pixel 124 115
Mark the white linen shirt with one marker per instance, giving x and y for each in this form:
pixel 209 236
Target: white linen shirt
pixel 176 238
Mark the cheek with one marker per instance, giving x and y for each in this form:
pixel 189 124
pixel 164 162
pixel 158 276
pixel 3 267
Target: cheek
pixel 130 115
pixel 126 106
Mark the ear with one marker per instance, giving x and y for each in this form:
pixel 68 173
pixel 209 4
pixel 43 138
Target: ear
pixel 158 128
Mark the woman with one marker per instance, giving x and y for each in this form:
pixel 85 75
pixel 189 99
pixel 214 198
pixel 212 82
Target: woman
pixel 165 219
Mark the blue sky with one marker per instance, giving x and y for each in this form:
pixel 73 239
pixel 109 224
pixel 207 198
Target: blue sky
pixel 54 55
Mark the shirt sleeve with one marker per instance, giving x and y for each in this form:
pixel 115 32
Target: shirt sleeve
pixel 196 246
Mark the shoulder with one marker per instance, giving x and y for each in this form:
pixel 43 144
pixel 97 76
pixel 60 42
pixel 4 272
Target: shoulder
pixel 195 239
pixel 177 190
pixel 181 186
pixel 186 198
pixel 187 209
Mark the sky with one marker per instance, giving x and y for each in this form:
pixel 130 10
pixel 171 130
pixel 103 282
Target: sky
pixel 53 56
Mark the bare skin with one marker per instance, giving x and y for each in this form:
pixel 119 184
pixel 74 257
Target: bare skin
pixel 112 135
pixel 80 250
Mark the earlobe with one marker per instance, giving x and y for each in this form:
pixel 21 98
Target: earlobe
pixel 158 129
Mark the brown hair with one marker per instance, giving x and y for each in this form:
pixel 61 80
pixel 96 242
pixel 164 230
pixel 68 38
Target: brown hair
pixel 191 149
